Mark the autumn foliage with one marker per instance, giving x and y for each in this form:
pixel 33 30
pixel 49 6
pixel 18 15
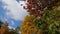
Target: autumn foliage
pixel 6 30
pixel 43 18
pixel 35 7
pixel 28 26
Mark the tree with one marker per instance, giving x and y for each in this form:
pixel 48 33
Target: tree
pixel 44 21
pixel 5 30
pixel 28 26
pixel 1 24
pixel 49 22
pixel 17 30
pixel 36 7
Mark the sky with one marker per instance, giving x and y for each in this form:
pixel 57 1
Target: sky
pixel 12 12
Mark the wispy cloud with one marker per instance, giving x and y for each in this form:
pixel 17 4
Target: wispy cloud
pixel 12 22
pixel 14 10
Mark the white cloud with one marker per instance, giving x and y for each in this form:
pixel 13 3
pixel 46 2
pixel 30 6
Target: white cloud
pixel 10 27
pixel 14 10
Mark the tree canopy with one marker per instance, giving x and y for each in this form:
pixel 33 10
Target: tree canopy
pixel 43 18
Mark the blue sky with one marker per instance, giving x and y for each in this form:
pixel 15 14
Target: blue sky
pixel 12 12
